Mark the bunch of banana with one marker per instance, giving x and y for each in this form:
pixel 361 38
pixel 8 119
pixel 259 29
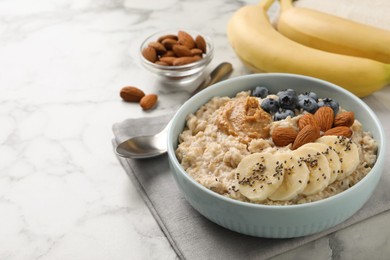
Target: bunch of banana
pixel 282 176
pixel 334 34
pixel 262 48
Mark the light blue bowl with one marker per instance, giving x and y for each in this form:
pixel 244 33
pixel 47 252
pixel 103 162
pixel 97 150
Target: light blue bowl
pixel 267 220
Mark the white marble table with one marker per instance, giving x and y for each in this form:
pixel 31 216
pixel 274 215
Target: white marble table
pixel 63 194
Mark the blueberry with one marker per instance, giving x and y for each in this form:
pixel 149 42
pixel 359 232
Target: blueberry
pixel 308 94
pixel 291 91
pixel 288 99
pixel 270 105
pixel 283 114
pixel 308 104
pixel 329 103
pixel 260 91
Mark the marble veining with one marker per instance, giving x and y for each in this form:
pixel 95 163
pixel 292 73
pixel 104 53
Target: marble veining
pixel 63 194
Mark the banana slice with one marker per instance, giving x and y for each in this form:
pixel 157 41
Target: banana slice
pixel 318 166
pixel 347 151
pixel 259 175
pixel 296 175
pixel 331 156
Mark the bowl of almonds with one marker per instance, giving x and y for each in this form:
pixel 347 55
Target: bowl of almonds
pixel 177 57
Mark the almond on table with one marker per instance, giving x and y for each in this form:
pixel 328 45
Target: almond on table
pixel 148 101
pixel 131 94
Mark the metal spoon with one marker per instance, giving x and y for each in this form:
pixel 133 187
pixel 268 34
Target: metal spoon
pixel 153 145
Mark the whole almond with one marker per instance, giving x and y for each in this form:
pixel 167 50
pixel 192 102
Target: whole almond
pixel 307 119
pixel 200 43
pixel 344 119
pixel 196 51
pixel 185 60
pixel 131 94
pixel 168 60
pixel 307 134
pixel 167 36
pixel 162 63
pixel 282 136
pixel 160 49
pixel 340 131
pixel 169 53
pixel 148 101
pixel 185 39
pixel 150 54
pixel 168 43
pixel 181 50
pixel 324 117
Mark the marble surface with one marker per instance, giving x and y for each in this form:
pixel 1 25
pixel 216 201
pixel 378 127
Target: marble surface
pixel 63 194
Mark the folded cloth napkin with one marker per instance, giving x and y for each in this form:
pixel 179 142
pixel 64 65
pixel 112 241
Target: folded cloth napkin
pixel 193 236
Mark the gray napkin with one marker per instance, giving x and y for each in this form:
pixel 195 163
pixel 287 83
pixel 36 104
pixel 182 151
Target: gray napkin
pixel 194 237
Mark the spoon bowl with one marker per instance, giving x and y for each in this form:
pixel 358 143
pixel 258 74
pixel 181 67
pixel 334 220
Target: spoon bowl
pixel 139 147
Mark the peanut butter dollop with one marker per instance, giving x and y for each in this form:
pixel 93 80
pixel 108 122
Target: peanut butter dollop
pixel 243 117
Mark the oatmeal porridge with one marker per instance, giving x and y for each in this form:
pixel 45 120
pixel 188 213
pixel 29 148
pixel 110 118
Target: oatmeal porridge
pixel 276 149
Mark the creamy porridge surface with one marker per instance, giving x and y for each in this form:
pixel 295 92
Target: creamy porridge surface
pixel 226 130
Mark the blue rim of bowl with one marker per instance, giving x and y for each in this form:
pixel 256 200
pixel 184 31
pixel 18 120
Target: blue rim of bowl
pixel 204 61
pixel 380 155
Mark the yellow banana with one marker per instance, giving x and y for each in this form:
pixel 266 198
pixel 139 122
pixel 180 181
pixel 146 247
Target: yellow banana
pixel 334 34
pixel 262 48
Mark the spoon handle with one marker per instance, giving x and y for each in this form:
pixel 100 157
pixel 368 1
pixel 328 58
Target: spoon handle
pixel 216 75
pixel 221 71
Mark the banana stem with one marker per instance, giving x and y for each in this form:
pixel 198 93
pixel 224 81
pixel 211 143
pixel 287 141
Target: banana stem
pixel 266 4
pixel 285 4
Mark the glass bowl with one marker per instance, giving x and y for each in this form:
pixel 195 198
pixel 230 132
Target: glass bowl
pixel 178 75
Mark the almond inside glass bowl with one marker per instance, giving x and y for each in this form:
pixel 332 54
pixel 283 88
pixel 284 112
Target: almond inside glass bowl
pixel 177 57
